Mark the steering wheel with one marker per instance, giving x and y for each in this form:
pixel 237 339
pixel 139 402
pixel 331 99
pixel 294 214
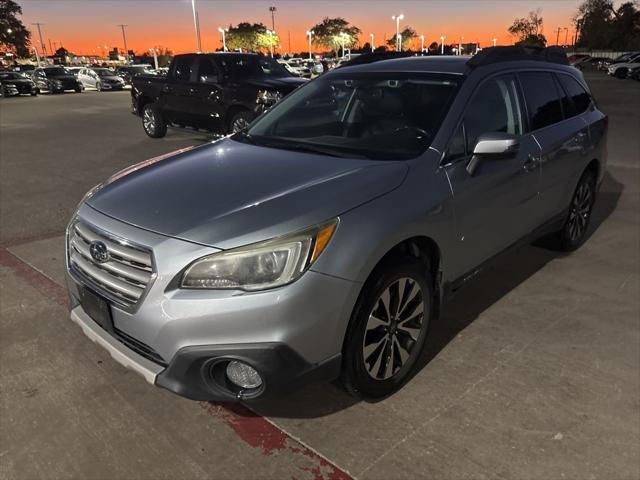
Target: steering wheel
pixel 414 128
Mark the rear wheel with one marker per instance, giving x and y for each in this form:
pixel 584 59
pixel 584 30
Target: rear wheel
pixel 153 122
pixel 388 329
pixel 240 121
pixel 574 231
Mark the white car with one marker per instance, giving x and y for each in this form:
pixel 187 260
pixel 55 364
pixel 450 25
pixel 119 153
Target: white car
pixel 100 78
pixel 620 70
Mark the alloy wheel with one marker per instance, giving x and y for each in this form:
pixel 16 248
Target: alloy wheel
pixel 580 211
pixel 393 328
pixel 149 121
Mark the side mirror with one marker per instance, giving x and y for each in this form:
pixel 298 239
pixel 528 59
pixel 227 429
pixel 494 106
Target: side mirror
pixel 492 145
pixel 212 78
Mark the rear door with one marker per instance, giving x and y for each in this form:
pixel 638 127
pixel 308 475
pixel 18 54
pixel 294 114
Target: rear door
pixel 493 207
pixel 175 93
pixel 207 95
pixel 562 135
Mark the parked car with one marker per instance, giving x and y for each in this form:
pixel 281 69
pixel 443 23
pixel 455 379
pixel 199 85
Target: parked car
pixel 26 68
pixel 14 83
pixel 101 79
pixel 75 70
pixel 56 80
pixel 322 241
pixel 605 63
pixel 128 72
pixel 219 92
pixel 620 69
pixel 295 69
pixel 634 73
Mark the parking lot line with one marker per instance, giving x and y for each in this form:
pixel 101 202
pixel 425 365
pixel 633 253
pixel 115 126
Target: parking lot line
pixel 251 428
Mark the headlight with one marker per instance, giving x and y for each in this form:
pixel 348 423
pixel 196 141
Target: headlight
pixel 263 265
pixel 268 97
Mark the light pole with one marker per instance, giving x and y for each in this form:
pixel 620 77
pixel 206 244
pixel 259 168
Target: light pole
pixel 372 42
pixel 343 37
pixel 310 36
pixel 224 39
pixel 494 40
pixel 397 19
pixel 558 35
pixel 155 57
pixel 44 49
pixel 566 34
pixel 124 39
pixel 460 46
pixel 270 33
pixel 421 43
pixel 272 9
pixel 196 26
pixel 442 37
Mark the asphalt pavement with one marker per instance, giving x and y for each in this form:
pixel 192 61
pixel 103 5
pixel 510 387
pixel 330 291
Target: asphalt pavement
pixel 533 372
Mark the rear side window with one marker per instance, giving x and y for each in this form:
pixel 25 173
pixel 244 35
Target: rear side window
pixel 182 69
pixel 579 99
pixel 543 99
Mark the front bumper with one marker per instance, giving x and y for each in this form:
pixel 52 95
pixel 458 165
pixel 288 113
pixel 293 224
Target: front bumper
pixel 177 339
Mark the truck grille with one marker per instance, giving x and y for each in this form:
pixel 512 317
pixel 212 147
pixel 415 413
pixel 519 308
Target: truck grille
pixel 123 277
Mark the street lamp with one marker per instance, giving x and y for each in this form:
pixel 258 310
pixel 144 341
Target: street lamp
pixel 9 31
pixel 343 37
pixel 442 37
pixel 397 18
pixel 270 33
pixel 421 43
pixel 494 40
pixel 372 42
pixel 310 34
pixel 224 39
pixel 155 57
pixel 399 40
pixel 460 46
pixel 195 25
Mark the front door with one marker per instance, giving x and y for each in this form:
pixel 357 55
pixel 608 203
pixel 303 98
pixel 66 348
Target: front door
pixel 175 95
pixel 494 206
pixel 207 96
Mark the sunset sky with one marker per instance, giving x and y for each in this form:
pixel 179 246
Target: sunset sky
pixel 87 26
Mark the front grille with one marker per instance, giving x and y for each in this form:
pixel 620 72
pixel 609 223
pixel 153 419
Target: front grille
pixel 123 278
pixel 140 348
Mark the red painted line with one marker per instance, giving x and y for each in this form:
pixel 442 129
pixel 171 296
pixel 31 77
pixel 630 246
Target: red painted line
pixel 33 277
pixel 261 434
pixel 251 428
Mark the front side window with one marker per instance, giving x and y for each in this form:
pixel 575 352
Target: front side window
pixel 386 116
pixel 206 70
pixel 493 108
pixel 239 67
pixel 579 99
pixel 543 99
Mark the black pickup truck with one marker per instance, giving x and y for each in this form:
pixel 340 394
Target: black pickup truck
pixel 218 92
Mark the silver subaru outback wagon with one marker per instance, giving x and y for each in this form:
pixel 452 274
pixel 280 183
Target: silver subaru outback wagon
pixel 322 240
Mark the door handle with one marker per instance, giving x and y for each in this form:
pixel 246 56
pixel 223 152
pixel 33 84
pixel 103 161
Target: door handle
pixel 531 163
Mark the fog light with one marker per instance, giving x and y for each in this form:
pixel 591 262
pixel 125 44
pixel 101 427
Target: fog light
pixel 243 375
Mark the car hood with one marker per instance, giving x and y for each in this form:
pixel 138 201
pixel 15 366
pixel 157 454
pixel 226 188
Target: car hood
pixel 284 84
pixel 62 78
pixel 111 78
pixel 228 194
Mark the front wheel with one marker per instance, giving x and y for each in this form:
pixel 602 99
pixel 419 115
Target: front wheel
pixel 621 73
pixel 152 121
pixel 388 329
pixel 574 232
pixel 99 86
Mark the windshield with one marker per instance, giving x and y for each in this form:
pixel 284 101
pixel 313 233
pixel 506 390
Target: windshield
pixel 11 76
pixel 54 72
pixel 103 72
pixel 385 116
pixel 252 66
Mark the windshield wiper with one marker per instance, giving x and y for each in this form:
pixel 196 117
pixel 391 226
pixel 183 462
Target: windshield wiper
pixel 309 148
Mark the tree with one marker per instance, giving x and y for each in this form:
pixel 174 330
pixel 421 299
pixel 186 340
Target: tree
pixel 529 30
pixel 266 41
pixel 245 36
pixel 332 33
pixel 601 25
pixel 13 34
pixel 407 35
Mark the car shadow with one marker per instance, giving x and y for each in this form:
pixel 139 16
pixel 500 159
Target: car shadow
pixel 509 271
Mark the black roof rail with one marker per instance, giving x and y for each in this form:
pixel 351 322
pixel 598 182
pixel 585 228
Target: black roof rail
pixel 375 57
pixel 492 55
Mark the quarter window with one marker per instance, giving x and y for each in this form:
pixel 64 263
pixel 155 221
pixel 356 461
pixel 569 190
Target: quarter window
pixel 494 108
pixel 543 100
pixel 580 100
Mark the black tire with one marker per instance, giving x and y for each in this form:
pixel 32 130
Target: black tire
pixel 576 225
pixel 153 122
pixel 239 121
pixel 34 93
pixel 369 343
pixel 99 86
pixel 621 73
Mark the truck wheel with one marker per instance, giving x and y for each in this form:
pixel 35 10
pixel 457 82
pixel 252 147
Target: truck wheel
pixel 388 329
pixel 240 121
pixel 152 122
